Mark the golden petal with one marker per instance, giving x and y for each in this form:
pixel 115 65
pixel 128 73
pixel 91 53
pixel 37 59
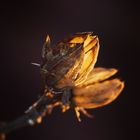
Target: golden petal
pixel 99 74
pixel 90 58
pixel 78 39
pixel 98 94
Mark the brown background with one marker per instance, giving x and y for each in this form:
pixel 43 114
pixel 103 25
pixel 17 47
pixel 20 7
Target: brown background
pixel 23 27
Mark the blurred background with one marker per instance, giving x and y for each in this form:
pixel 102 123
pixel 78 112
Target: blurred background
pixel 23 28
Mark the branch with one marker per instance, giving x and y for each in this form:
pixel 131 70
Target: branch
pixel 31 117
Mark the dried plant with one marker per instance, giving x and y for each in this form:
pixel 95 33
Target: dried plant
pixel 69 80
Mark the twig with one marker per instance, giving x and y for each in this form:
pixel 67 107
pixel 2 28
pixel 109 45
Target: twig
pixel 31 117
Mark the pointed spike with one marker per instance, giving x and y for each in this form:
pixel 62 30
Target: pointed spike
pixel 48 39
pixel 85 113
pixel 77 113
pixel 46 46
pixel 36 64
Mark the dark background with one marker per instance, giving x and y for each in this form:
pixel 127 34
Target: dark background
pixel 23 28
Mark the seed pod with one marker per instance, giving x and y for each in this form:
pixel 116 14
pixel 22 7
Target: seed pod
pixel 71 60
pixel 70 69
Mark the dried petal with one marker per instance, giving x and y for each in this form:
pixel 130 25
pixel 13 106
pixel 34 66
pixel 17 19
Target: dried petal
pixel 98 94
pixel 99 74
